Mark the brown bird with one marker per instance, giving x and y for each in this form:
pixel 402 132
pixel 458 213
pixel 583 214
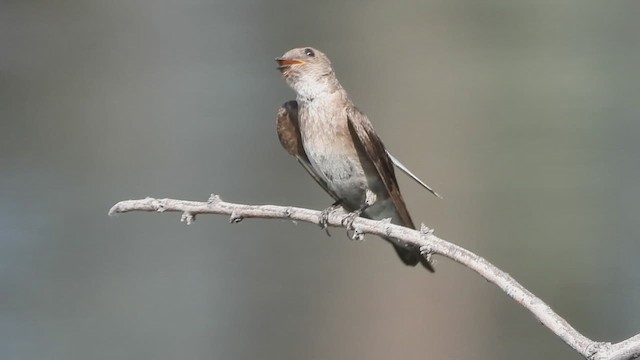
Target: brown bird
pixel 337 145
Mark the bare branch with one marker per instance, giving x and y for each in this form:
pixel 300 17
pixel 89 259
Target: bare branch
pixel 624 350
pixel 424 238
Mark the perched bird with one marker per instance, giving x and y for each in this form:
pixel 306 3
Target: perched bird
pixel 337 145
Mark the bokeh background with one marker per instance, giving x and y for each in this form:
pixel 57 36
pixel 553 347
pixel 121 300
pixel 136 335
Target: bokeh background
pixel 523 114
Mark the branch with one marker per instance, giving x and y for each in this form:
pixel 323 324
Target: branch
pixel 425 239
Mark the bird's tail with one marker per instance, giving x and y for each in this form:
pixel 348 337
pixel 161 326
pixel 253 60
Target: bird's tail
pixel 411 256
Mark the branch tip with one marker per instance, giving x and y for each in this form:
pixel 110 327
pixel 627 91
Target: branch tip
pixel 114 210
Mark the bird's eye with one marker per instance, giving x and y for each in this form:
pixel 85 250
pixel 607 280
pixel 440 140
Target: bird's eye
pixel 309 52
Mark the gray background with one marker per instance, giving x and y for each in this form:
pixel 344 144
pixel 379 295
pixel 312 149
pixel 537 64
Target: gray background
pixel 524 115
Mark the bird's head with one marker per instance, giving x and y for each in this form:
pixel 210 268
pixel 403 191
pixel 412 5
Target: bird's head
pixel 307 71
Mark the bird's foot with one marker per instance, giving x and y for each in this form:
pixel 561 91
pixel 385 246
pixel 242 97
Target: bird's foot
pixel 324 216
pixel 347 221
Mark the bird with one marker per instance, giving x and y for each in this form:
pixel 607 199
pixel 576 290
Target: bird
pixel 337 145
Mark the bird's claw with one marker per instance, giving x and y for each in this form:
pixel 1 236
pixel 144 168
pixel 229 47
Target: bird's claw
pixel 348 220
pixel 324 216
pixel 352 232
pixel 324 219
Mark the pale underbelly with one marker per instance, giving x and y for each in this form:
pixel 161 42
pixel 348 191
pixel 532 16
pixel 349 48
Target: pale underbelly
pixel 346 179
pixel 343 175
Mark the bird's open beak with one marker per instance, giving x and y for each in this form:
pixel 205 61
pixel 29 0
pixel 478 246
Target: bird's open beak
pixel 285 65
pixel 288 62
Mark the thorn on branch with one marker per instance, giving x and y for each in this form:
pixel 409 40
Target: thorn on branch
pixel 188 217
pixel 288 212
pixel 213 199
pixel 157 204
pixel 387 228
pixel 235 218
pixel 596 347
pixel 425 229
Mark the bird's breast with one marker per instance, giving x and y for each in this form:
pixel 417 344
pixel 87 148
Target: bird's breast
pixel 329 146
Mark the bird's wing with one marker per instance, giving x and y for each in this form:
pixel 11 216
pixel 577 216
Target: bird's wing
pixel 404 169
pixel 289 135
pixel 365 136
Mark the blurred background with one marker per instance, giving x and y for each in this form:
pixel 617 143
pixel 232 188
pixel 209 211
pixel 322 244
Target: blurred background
pixel 524 115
